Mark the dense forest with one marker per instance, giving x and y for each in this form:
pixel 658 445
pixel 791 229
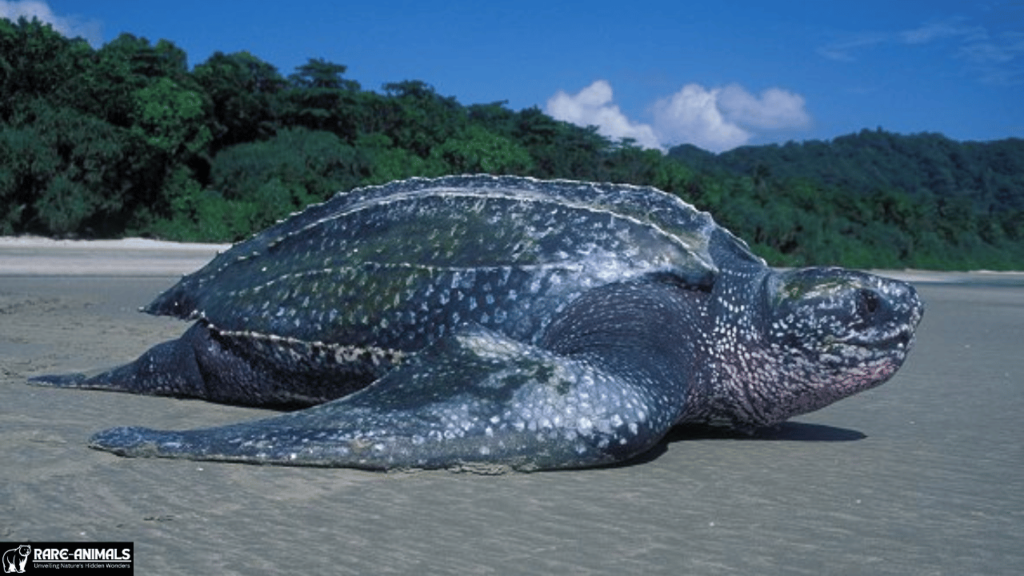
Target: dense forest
pixel 128 140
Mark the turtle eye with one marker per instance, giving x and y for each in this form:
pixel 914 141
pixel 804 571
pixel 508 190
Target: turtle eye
pixel 868 302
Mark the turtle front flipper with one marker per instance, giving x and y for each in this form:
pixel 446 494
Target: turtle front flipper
pixel 475 400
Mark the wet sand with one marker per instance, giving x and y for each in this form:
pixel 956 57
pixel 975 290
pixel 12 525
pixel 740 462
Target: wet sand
pixel 924 475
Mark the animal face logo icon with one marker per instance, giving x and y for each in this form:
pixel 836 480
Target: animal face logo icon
pixel 15 559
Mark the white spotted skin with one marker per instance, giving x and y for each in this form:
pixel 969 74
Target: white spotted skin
pixel 603 387
pixel 392 269
pixel 786 343
pixel 492 324
pixel 504 403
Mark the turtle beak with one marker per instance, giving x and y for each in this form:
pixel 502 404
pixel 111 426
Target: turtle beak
pixel 868 310
pixel 891 309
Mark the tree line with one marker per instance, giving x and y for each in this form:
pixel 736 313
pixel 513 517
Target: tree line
pixel 881 199
pixel 127 140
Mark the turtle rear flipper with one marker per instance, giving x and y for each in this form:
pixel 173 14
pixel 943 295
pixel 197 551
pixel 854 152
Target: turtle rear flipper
pixel 202 364
pixel 167 369
pixel 72 380
pixel 474 400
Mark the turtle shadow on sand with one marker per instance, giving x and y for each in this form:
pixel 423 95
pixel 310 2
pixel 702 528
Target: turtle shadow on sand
pixel 784 432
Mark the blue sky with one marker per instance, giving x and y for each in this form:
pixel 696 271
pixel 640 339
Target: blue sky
pixel 716 74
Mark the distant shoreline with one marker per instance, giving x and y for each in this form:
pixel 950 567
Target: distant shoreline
pixel 38 256
pixel 9 242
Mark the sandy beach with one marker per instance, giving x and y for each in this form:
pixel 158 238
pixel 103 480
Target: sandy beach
pixel 922 476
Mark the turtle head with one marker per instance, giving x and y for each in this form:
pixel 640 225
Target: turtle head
pixel 828 333
pixel 838 332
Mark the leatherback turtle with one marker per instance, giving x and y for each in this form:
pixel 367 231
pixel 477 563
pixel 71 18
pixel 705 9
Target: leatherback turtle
pixel 479 321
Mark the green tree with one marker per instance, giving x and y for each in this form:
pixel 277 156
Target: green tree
pixel 67 173
pixel 671 176
pixel 387 162
pixel 495 118
pixel 477 150
pixel 37 62
pixel 628 163
pixel 281 175
pixel 171 119
pixel 319 98
pixel 416 118
pixel 110 87
pixel 560 149
pixel 244 92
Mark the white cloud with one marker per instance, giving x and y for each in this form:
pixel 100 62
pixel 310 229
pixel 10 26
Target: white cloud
pixel 937 31
pixel 996 60
pixel 775 109
pixel 693 116
pixel 593 106
pixel 992 56
pixel 70 26
pixel 846 50
pixel 715 119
